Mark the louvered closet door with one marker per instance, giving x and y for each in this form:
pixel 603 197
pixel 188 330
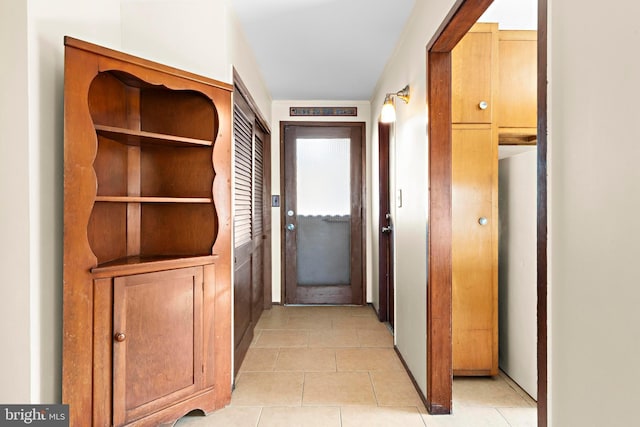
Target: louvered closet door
pixel 249 214
pixel 257 302
pixel 243 133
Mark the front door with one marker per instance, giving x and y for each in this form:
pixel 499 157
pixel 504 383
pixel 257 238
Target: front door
pixel 323 215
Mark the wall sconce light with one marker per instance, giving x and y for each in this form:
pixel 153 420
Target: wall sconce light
pixel 388 113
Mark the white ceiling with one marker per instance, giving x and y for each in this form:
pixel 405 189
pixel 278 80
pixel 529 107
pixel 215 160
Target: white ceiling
pixel 322 49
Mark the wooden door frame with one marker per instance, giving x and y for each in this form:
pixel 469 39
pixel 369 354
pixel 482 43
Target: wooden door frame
pixel 385 265
pixel 458 21
pixel 363 170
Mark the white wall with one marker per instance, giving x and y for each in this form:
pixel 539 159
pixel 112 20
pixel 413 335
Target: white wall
pixel 193 35
pixel 244 61
pixel 518 269
pixel 280 113
pixel 594 142
pixel 409 174
pixel 14 215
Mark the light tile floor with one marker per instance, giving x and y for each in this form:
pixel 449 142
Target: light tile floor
pixel 336 366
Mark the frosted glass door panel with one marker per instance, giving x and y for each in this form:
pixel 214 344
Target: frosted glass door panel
pixel 323 179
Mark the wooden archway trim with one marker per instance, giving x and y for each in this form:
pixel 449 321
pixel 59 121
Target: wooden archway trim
pixel 463 14
pixel 439 352
pixel 456 24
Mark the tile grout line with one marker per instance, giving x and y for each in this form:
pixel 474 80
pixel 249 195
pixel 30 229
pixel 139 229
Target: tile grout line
pixel 424 421
pixel 503 417
pixel 304 383
pixel 375 395
pixel 259 416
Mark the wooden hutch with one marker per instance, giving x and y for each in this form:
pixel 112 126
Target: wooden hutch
pixel 147 240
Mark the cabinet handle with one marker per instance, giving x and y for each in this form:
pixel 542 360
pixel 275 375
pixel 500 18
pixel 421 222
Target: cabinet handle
pixel 483 105
pixel 120 336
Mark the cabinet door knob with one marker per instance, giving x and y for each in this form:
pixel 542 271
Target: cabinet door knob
pixel 120 336
pixel 482 221
pixel 483 105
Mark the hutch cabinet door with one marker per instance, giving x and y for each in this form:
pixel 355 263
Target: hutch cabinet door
pixel 157 350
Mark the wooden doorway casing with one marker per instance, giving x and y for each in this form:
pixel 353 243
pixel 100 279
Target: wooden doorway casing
pixel 462 16
pixel 358 212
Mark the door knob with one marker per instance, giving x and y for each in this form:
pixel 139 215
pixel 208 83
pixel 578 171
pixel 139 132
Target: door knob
pixel 483 105
pixel 120 336
pixel 483 221
pixel 291 227
pixel 387 229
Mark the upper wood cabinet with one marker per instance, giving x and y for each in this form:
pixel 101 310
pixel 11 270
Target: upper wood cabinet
pixel 147 240
pixel 474 71
pixel 495 81
pixel 517 93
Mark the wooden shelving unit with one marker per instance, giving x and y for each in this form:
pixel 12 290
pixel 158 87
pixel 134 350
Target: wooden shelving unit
pixel 147 205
